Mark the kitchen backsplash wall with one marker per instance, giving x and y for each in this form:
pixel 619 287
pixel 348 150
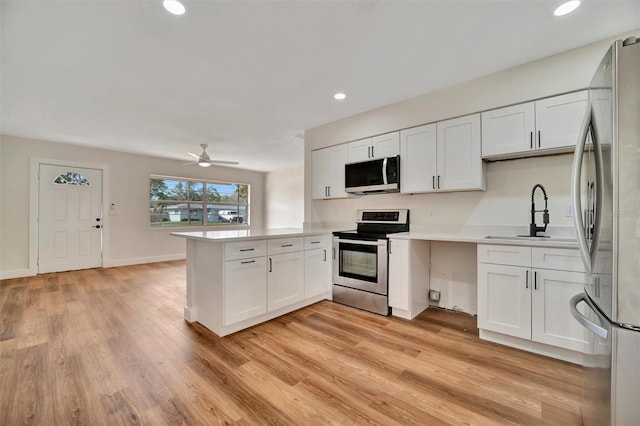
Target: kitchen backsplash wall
pixel 506 201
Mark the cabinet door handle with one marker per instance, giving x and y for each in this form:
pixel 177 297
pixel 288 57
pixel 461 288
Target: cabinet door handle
pixel 372 154
pixel 539 143
pixel 248 261
pixel 286 245
pixel 329 191
pixel 270 265
pixel 535 280
pixel 390 247
pixel 526 280
pixel 325 255
pixel 438 181
pixel 249 249
pixel 368 152
pixel 531 139
pixel 433 182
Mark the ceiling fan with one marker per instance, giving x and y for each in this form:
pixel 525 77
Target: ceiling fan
pixel 204 160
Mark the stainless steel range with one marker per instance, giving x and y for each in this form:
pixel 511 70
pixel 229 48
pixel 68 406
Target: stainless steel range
pixel 361 259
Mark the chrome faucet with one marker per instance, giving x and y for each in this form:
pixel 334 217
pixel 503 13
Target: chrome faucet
pixel 533 228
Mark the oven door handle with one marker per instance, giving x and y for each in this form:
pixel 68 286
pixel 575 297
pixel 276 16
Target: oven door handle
pixel 363 243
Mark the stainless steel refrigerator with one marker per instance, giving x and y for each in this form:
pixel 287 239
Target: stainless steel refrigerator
pixel 606 208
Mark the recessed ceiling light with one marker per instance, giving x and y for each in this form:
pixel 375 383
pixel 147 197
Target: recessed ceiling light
pixel 174 6
pixel 339 96
pixel 566 8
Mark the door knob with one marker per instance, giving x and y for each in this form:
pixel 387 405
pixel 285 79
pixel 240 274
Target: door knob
pixel 97 226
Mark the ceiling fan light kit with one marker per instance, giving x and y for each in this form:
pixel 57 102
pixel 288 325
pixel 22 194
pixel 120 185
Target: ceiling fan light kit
pixel 204 160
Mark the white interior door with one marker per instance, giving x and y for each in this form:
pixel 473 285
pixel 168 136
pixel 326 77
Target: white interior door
pixel 69 218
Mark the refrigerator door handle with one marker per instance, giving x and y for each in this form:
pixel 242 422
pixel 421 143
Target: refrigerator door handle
pixel 584 321
pixel 576 202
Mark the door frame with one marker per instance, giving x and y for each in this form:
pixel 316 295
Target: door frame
pixel 34 204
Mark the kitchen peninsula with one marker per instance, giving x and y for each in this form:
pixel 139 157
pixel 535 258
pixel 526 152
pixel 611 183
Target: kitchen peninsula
pixel 240 278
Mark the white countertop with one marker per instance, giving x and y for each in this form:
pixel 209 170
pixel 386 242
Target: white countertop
pixel 561 237
pixel 248 234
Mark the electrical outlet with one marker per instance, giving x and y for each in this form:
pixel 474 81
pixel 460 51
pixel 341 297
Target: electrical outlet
pixel 434 295
pixel 568 211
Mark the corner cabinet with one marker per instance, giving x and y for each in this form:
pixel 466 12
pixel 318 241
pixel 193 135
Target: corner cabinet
pixel 545 126
pixel 387 145
pixel 327 172
pixel 524 292
pixel 443 156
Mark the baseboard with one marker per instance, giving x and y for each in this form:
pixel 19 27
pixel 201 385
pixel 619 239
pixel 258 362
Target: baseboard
pixel 139 260
pixel 18 273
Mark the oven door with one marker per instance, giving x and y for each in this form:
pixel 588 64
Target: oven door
pixel 361 264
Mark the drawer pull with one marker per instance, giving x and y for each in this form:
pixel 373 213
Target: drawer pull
pixel 248 261
pixel 286 245
pixel 249 249
pixel 314 242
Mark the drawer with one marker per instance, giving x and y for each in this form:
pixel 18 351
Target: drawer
pixel 557 258
pixel 285 245
pixel 314 242
pixel 504 255
pixel 245 249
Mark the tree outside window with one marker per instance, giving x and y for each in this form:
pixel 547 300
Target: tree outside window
pixel 183 202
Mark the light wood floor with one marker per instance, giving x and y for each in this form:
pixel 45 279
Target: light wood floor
pixel 109 346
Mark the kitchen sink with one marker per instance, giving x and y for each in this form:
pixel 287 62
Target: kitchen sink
pixel 528 238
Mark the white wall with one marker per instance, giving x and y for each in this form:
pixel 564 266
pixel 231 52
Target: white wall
pixel 284 194
pixel 507 199
pixel 128 239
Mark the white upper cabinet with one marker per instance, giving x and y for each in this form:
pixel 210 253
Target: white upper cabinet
pixel 327 172
pixel 418 159
pixel 508 130
pixel 444 156
pixel 460 164
pixel 534 128
pixel 381 146
pixel 558 119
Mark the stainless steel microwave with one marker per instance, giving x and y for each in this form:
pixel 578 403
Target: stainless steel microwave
pixel 373 176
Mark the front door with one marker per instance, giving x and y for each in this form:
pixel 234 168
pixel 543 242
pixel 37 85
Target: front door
pixel 69 218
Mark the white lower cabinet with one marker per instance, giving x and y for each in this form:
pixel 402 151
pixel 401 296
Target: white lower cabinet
pixel 245 289
pixel 285 283
pixel 517 297
pixel 408 277
pixel 274 279
pixel 317 272
pixel 504 300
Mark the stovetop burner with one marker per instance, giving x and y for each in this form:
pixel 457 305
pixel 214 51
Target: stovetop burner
pixel 377 224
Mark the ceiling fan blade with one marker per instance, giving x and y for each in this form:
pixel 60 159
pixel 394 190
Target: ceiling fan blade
pixel 188 164
pixel 223 162
pixel 197 157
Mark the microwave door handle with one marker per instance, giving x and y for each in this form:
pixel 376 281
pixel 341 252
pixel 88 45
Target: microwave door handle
pixel 576 202
pixel 384 171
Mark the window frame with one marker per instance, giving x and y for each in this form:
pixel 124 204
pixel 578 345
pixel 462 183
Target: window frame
pixel 202 202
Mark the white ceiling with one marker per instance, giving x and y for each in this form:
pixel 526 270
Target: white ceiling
pixel 247 77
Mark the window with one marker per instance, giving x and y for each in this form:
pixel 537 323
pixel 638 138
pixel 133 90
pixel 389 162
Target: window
pixel 71 178
pixel 189 202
